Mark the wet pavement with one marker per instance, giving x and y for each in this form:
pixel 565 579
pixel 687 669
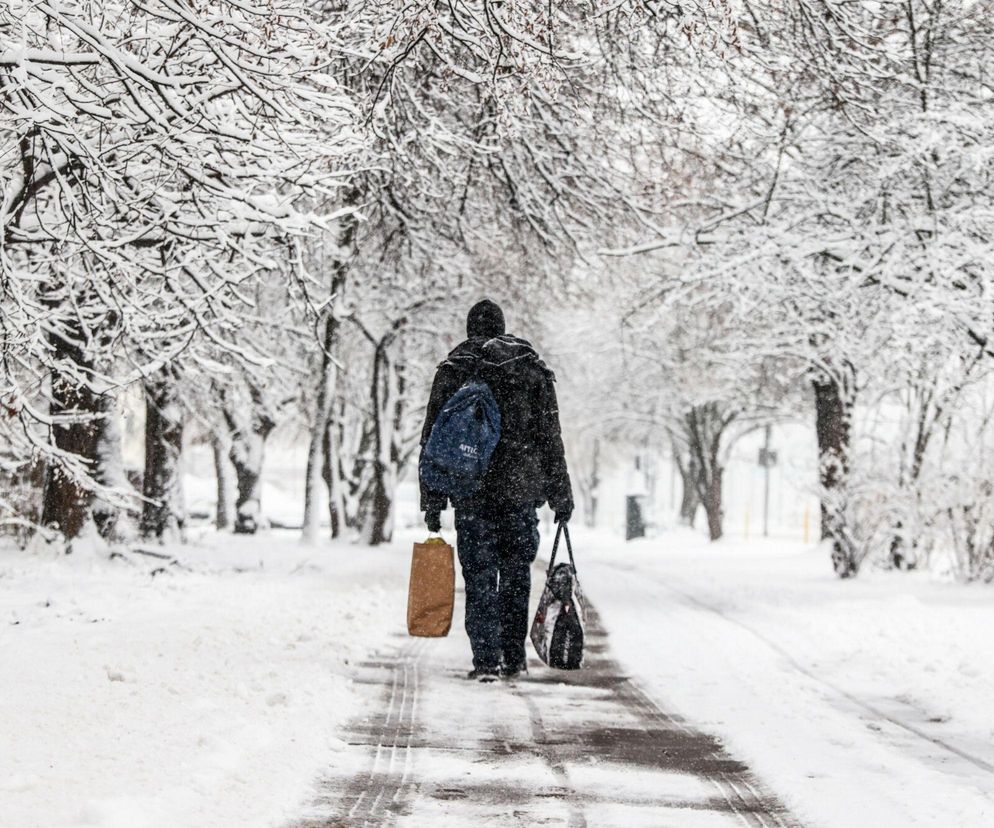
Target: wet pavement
pixel 587 748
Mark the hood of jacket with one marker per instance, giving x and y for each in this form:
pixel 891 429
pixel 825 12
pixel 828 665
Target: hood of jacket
pixel 499 354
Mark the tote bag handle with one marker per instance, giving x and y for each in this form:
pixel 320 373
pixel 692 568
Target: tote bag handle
pixel 563 530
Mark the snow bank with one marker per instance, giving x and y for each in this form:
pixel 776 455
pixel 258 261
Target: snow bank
pixel 201 698
pixel 861 703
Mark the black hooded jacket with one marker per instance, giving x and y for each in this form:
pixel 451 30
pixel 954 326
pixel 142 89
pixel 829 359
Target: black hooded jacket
pixel 529 463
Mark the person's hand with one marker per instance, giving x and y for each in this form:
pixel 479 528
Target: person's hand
pixel 564 513
pixel 433 520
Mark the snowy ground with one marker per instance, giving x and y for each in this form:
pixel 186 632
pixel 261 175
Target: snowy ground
pixel 203 698
pixel 863 703
pixel 224 695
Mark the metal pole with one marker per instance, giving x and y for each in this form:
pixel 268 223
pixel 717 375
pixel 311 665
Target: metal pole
pixel 766 484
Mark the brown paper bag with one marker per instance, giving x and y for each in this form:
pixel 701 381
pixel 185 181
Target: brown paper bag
pixel 432 591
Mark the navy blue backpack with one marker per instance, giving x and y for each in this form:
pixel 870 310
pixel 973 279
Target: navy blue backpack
pixel 457 455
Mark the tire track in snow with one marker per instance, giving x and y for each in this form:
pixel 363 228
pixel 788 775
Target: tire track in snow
pixel 378 794
pixel 576 818
pixel 789 658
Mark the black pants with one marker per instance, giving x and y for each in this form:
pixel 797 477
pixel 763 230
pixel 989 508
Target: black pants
pixel 496 548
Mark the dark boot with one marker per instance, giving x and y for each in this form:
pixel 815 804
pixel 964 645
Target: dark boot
pixel 483 676
pixel 513 671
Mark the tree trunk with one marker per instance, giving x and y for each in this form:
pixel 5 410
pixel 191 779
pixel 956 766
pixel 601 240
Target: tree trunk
pixel 329 373
pixel 590 486
pixel 689 500
pixel 66 501
pixel 904 550
pixel 355 489
pixel 112 515
pixel 705 425
pixel 319 429
pixel 689 470
pixel 380 508
pixel 162 511
pixel 225 511
pixel 712 503
pixel 833 423
pixel 21 489
pixel 330 471
pixel 248 442
pixel 380 501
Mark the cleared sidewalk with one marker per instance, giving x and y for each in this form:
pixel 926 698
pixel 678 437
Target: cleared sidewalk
pixel 571 749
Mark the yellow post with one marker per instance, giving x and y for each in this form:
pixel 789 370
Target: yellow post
pixel 807 522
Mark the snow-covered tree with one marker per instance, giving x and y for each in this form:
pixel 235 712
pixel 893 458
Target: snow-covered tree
pixel 154 159
pixel 836 204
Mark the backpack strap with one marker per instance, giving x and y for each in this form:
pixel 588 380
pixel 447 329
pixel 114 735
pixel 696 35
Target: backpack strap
pixel 564 531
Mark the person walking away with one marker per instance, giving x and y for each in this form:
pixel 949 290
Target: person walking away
pixel 497 527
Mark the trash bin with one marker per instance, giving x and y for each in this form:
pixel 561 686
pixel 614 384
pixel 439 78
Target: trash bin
pixel 634 518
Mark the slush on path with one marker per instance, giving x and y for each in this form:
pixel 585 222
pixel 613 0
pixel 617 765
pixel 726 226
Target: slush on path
pixel 583 748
